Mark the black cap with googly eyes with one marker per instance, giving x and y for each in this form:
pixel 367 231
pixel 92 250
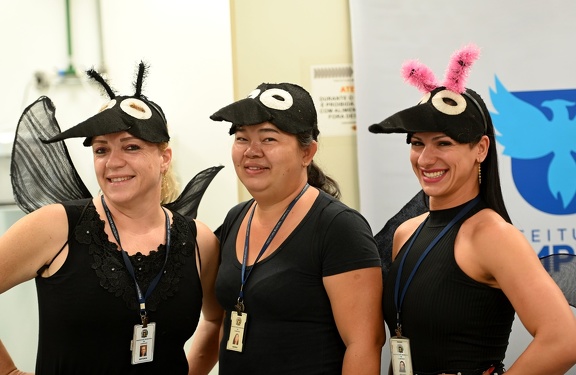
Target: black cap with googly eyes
pixel 141 118
pixel 134 114
pixel 463 117
pixel 288 106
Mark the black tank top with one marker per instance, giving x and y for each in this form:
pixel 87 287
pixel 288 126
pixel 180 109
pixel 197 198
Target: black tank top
pixel 88 308
pixel 454 323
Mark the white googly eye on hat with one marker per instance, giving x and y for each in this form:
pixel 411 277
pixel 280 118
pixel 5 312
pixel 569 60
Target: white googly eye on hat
pixel 277 99
pixel 136 108
pixel 449 102
pixel 110 104
pixel 254 94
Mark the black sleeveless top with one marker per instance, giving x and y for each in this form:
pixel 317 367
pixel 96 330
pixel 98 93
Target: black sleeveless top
pixel 88 308
pixel 454 323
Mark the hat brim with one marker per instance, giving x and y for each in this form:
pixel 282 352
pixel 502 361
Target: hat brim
pixel 115 119
pixel 104 122
pixel 420 118
pixel 463 127
pixel 243 112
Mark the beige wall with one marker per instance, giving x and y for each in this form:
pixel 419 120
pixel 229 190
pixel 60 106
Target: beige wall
pixel 279 41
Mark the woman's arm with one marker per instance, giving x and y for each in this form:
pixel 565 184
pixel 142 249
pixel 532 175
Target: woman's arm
pixel 510 263
pixel 203 353
pixel 7 366
pixel 356 299
pixel 355 292
pixel 27 245
pixel 30 243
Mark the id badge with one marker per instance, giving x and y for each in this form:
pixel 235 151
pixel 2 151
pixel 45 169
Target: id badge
pixel 237 331
pixel 143 343
pixel 400 355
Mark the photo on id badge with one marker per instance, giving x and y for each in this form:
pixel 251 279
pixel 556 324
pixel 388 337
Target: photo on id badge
pixel 236 337
pixel 400 356
pixel 143 343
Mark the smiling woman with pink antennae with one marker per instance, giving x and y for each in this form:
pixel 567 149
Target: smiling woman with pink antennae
pixel 461 271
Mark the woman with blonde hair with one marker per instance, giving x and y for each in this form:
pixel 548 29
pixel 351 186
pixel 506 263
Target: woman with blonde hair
pixel 119 271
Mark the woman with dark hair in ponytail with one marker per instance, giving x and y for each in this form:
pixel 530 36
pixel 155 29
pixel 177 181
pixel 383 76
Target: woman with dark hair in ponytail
pixel 300 275
pixel 461 271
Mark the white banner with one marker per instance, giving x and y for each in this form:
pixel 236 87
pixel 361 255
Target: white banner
pixel 525 50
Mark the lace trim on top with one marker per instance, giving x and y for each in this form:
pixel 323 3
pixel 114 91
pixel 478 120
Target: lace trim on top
pixel 110 269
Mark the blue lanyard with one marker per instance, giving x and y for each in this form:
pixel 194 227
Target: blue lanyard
pixel 141 297
pixel 244 276
pixel 399 298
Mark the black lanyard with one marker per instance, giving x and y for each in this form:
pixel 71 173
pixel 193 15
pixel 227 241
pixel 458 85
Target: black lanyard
pixel 399 298
pixel 141 297
pixel 244 276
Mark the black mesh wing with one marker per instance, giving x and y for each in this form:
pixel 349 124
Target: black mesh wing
pixel 41 173
pixel 416 206
pixel 562 268
pixel 189 200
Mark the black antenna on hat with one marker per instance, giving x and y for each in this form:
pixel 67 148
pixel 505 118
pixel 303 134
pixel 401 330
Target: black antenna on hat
pixel 98 78
pixel 142 72
pixel 140 76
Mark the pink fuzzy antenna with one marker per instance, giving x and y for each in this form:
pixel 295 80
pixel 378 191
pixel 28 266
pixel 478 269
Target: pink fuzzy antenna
pixel 460 63
pixel 419 75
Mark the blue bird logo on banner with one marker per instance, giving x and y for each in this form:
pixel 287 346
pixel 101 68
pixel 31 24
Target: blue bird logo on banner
pixel 538 132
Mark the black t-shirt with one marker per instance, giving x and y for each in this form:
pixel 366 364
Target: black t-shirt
pixel 290 327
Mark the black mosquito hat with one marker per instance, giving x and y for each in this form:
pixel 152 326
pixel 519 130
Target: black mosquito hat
pixel 286 105
pixel 451 108
pixel 465 123
pixel 135 114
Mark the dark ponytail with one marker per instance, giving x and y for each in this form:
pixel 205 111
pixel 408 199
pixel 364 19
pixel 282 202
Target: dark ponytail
pixel 316 177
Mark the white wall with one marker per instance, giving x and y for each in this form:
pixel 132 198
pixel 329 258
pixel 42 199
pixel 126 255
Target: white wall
pixel 299 35
pixel 187 44
pixel 190 74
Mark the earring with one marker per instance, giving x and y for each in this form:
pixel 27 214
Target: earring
pixel 165 188
pixel 479 174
